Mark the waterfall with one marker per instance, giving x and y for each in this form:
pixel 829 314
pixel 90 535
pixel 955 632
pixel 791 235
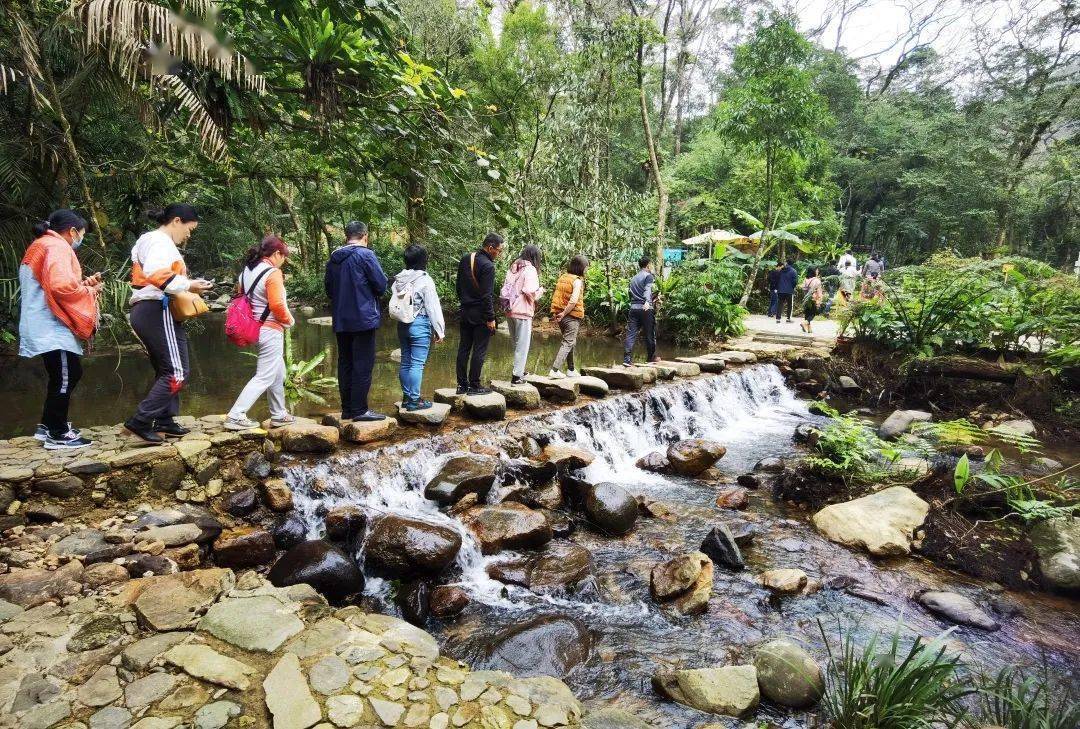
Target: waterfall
pixel 743 409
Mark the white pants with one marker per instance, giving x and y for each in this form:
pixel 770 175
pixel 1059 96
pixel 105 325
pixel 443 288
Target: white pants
pixel 521 336
pixel 269 377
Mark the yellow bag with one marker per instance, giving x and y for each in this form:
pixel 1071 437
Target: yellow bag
pixel 186 305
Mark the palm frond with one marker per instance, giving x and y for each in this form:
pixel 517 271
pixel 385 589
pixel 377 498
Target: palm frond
pixel 210 136
pixel 8 74
pixel 748 218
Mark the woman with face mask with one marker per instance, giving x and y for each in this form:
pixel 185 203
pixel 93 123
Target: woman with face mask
pixel 59 307
pixel 158 270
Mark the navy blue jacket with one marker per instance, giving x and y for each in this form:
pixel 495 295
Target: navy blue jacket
pixel 789 278
pixel 354 282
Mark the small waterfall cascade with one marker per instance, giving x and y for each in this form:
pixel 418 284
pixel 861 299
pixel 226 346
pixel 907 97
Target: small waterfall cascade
pixel 742 408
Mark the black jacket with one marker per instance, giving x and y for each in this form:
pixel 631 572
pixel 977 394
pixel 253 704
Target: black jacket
pixel 774 279
pixel 477 298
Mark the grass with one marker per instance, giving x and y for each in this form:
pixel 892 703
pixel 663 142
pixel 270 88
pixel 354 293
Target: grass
pixel 1010 700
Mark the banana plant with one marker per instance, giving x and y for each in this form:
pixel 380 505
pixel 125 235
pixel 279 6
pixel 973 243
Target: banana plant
pixel 766 238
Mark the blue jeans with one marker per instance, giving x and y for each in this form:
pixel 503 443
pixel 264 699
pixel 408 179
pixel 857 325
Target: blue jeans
pixel 774 302
pixel 415 339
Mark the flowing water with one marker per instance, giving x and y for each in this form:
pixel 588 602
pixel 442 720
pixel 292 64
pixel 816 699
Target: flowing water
pixel 754 414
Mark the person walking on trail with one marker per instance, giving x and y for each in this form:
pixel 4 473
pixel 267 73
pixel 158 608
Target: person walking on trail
pixel 643 302
pixel 58 308
pixel 773 280
pixel 414 302
pixel 159 273
pixel 849 276
pixel 518 298
pixel 568 311
pixel 262 281
pixel 847 259
pixel 476 292
pixel 813 297
pixel 873 267
pixel 354 282
pixel 785 290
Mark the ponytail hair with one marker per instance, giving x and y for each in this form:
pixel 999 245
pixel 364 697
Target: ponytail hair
pixel 185 212
pixel 59 221
pixel 270 245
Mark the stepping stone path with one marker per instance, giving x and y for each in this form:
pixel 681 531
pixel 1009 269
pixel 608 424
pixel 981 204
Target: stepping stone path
pixel 706 364
pixel 450 396
pixel 362 431
pixel 682 369
pixel 434 415
pixel 491 406
pixel 564 390
pixel 521 397
pixel 619 378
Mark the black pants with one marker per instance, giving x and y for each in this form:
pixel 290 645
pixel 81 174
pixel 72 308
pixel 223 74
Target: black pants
pixel 65 370
pixel 810 310
pixel 471 352
pixel 784 300
pixel 165 342
pixel 644 321
pixel 355 361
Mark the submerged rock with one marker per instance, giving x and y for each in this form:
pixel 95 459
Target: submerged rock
pixel 722 548
pixel 472 474
pixel 691 457
pixel 787 581
pixel 414 599
pixel 548 645
pixel 403 547
pixel 507 526
pixel 320 564
pixel 611 508
pixel 957 609
pixel 882 523
pixel 558 565
pixel 448 600
pixel 787 675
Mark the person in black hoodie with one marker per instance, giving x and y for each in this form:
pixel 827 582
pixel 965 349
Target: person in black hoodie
pixel 354 282
pixel 476 292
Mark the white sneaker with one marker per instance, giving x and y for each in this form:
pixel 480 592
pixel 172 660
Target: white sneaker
pixel 572 373
pixel 239 424
pixel 282 421
pixel 555 375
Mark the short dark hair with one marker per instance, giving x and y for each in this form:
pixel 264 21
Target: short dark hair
pixel 577 265
pixel 492 240
pixel 185 212
pixel 416 257
pixel 59 221
pixel 531 254
pixel 643 261
pixel 355 229
pixel 779 263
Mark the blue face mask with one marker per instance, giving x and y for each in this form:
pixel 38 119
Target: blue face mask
pixel 76 243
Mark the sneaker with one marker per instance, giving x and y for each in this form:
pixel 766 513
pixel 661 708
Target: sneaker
pixel 627 363
pixel 68 441
pixel 572 373
pixel 239 424
pixel 515 380
pixel 479 391
pixel 415 405
pixel 282 421
pixel 555 375
pixel 42 433
pixel 462 390
pixel 143 432
pixel 170 428
pixel 369 417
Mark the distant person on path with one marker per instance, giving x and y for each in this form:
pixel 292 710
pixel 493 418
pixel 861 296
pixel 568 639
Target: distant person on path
pixel 58 308
pixel 849 276
pixel 785 289
pixel 814 295
pixel 643 302
pixel 518 298
pixel 158 271
pixel 873 267
pixel 847 259
pixel 415 289
pixel 773 279
pixel 568 311
pixel 476 292
pixel 262 281
pixel 354 281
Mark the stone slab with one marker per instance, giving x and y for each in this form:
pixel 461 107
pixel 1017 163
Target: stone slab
pixel 435 415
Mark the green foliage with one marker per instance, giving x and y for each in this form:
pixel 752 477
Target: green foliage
pixel 302 381
pixel 698 302
pixel 1013 701
pixel 848 449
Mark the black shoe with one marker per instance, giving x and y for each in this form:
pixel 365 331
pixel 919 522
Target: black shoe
pixel 144 432
pixel 66 441
pixel 627 363
pixel 170 428
pixel 479 391
pixel 369 417
pixel 462 390
pixel 515 380
pixel 412 407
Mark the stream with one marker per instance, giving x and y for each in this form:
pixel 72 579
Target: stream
pixel 753 413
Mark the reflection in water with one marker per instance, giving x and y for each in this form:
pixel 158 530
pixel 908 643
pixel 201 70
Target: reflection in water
pixel 113 384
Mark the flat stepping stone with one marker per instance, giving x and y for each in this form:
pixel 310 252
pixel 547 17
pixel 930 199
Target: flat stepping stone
pixel 434 415
pixel 663 372
pixel 682 369
pixel 648 374
pixel 707 364
pixel 323 321
pixel 561 390
pixel 735 357
pixel 591 386
pixel 368 431
pixel 522 397
pixel 449 396
pixel 620 378
pixel 491 406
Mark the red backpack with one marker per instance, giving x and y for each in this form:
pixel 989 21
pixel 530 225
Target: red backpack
pixel 241 326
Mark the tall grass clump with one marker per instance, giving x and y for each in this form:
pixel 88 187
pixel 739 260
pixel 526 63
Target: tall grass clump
pixel 1008 699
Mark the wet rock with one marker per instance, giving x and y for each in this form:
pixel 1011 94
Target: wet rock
pixel 576 487
pixel 611 718
pixel 787 675
pixel 562 526
pixel 241 503
pixel 558 566
pixel 31 587
pixel 564 456
pixel 243 547
pixel 277 495
pixel 728 690
pixel 173 602
pixel 691 457
pixel 882 523
pixel 472 474
pixel 414 599
pixel 448 601
pixel 685 582
pixel 507 526
pixel 288 696
pixel 521 397
pixel 256 466
pixel 721 547
pixel 652 509
pixel 900 422
pixel 309 438
pixel 402 547
pixel 360 431
pixel 611 509
pixel 491 406
pixel 657 462
pixel 560 391
pixel 344 522
pixel 1016 427
pixel 527 471
pixel 732 498
pixel 784 581
pixel 957 609
pixel 806 433
pixel 289 532
pixel 548 496
pixel 548 645
pixel 434 415
pixel 1058 543
pixel 256 623
pixel 203 662
pixel 319 564
pixel 769 465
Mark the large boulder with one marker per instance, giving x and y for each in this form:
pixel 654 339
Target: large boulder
pixel 882 523
pixel 900 422
pixel 787 675
pixel 403 547
pixel 320 564
pixel 548 645
pixel 569 457
pixel 684 582
pixel 1058 543
pixel 507 526
pixel 956 608
pixel 611 508
pixel 471 474
pixel 692 456
pixel 559 565
pixel 728 690
pixel 174 602
pixel 529 472
pixel 657 462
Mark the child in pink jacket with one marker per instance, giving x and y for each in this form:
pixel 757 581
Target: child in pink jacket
pixel 519 293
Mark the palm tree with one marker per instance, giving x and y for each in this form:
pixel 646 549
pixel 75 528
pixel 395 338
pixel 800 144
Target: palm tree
pixel 766 239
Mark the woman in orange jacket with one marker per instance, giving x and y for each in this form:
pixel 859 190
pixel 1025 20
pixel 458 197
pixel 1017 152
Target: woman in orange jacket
pixel 59 308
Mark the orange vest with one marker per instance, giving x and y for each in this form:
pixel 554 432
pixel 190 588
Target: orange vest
pixel 563 289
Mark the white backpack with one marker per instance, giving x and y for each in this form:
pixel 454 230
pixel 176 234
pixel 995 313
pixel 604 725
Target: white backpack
pixel 401 304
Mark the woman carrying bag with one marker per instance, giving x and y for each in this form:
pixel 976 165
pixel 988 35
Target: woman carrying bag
pixel 815 295
pixel 159 274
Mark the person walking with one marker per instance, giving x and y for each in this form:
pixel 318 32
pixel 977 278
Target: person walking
pixel 848 259
pixel 518 298
pixel 58 308
pixel 568 311
pixel 476 292
pixel 415 290
pixel 354 282
pixel 773 280
pixel 849 276
pixel 813 297
pixel 643 301
pixel 785 290
pixel 262 281
pixel 158 272
pixel 873 267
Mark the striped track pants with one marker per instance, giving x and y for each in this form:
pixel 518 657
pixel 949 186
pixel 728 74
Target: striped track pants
pixel 165 342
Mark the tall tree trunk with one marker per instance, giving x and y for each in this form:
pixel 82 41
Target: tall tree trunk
pixel 658 180
pixel 416 219
pixel 769 223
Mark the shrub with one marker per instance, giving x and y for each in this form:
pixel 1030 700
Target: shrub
pixel 848 449
pixel 699 302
